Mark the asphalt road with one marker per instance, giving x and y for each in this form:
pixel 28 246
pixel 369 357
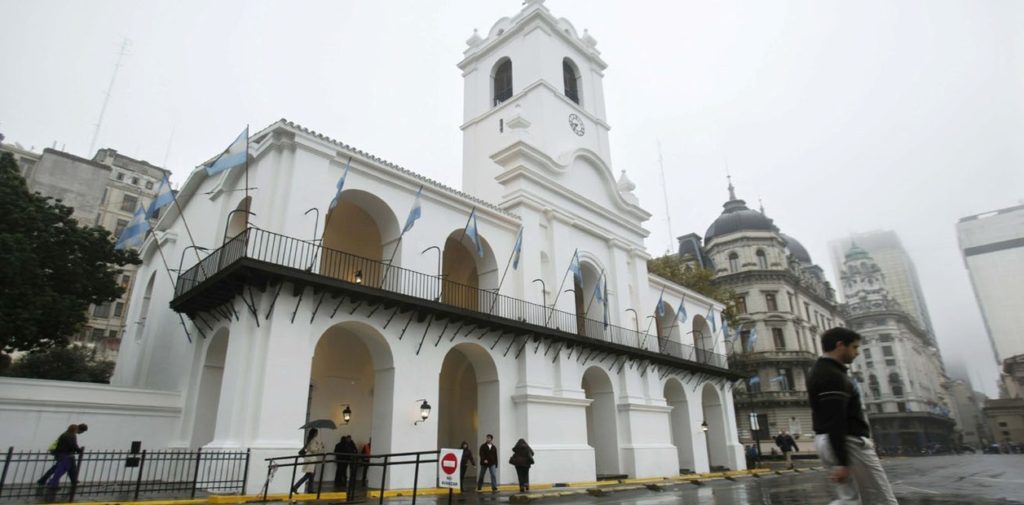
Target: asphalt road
pixel 937 480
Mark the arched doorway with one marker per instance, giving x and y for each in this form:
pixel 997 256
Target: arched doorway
pixel 239 219
pixel 703 339
pixel 681 426
pixel 359 235
pixel 468 397
pixel 589 308
pixel 667 329
pixel 602 431
pixel 468 277
pixel 353 367
pixel 714 416
pixel 210 382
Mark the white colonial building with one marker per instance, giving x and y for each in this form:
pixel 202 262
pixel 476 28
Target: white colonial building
pixel 296 315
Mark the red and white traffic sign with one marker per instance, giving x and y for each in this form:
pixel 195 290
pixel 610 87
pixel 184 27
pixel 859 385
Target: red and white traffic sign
pixel 448 468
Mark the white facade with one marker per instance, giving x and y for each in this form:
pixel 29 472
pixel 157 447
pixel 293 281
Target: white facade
pixel 305 331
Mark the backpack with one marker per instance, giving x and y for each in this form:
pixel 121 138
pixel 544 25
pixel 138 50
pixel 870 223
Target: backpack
pixel 53 446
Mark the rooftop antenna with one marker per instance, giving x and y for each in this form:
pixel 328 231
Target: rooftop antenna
pixel 760 204
pixel 167 154
pixel 664 190
pixel 106 98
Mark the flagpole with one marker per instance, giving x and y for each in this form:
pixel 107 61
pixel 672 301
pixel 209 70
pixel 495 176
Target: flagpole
pixel 247 201
pixel 167 268
pixel 502 281
pixel 591 302
pixel 555 303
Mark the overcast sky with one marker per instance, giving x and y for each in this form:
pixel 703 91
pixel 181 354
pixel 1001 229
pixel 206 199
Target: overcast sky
pixel 841 116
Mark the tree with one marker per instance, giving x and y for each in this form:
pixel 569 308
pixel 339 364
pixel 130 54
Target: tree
pixel 71 363
pixel 678 270
pixel 52 267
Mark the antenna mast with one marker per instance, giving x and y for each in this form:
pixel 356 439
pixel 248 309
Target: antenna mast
pixel 106 99
pixel 664 190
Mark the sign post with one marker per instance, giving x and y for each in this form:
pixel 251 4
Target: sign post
pixel 448 475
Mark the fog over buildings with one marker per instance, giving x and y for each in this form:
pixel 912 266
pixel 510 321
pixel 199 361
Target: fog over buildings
pixel 841 117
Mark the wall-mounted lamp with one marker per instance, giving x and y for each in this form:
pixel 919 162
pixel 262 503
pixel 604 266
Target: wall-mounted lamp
pixel 424 412
pixel 359 277
pixel 346 414
pixel 704 426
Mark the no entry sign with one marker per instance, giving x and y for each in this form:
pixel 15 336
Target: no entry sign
pixel 448 468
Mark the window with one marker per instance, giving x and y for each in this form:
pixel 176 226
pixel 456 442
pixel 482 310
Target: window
pixel 135 181
pixel 778 338
pixel 129 203
pixel 741 304
pixel 734 262
pixel 887 351
pixel 901 406
pixel 807 311
pixel 890 362
pixel 503 81
pixel 762 260
pixel 118 309
pixel 125 280
pixel 896 384
pixel 785 379
pixel 112 334
pixel 869 364
pixel 121 225
pixel 754 384
pixel 769 301
pixel 867 353
pixel 571 80
pixel 102 310
pixel 1002 425
pixel 149 184
pixel 876 391
pixel 792 303
pixel 97 334
pixel 120 176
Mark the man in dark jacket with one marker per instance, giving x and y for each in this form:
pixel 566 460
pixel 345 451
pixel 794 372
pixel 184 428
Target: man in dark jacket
pixel 842 434
pixel 67 448
pixel 787 445
pixel 488 463
pixel 73 471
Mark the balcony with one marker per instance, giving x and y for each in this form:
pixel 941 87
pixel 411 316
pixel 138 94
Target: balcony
pixel 257 258
pixel 770 398
pixel 749 360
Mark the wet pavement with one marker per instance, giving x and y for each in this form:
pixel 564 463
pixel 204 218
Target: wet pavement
pixel 937 480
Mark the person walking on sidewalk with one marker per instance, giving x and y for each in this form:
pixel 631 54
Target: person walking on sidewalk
pixel 73 470
pixel 465 461
pixel 842 434
pixel 522 459
pixel 312 452
pixel 488 463
pixel 787 445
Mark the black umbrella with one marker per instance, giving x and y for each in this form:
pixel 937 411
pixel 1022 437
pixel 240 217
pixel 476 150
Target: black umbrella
pixel 319 423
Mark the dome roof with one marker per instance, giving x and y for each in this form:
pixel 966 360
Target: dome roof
pixel 856 253
pixel 737 217
pixel 796 249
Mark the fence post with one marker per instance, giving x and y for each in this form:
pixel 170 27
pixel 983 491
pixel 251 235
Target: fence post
pixel 138 480
pixel 245 474
pixel 415 478
pixel 323 468
pixel 7 462
pixel 195 473
pixel 78 473
pixel 383 477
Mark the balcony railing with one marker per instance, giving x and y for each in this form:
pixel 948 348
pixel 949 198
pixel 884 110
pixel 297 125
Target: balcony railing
pixel 304 256
pixel 770 396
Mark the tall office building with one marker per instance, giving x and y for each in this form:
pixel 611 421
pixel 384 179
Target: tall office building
pixel 900 275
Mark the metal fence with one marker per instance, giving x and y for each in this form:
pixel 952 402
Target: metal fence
pixel 124 475
pixel 310 257
pixel 359 467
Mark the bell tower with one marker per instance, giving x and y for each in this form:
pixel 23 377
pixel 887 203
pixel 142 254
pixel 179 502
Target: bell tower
pixel 532 81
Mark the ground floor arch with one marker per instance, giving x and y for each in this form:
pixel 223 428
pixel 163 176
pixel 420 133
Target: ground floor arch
pixel 717 427
pixel 211 381
pixel 468 397
pixel 681 427
pixel 602 428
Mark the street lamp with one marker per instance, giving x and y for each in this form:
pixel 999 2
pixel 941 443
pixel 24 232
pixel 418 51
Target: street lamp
pixel 424 412
pixel 346 414
pixel 704 426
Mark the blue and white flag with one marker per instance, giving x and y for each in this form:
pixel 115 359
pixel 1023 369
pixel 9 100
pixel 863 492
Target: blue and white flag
pixel 135 232
pixel 340 185
pixel 473 233
pixel 604 288
pixel 574 267
pixel 782 379
pixel 661 303
pixel 236 154
pixel 710 317
pixel 681 311
pixel 517 250
pixel 164 197
pixel 752 339
pixel 725 325
pixel 755 380
pixel 414 213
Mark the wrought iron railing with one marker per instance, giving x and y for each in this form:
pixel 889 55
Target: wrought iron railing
pixel 310 257
pixel 123 475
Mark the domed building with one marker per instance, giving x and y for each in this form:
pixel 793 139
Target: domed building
pixel 784 303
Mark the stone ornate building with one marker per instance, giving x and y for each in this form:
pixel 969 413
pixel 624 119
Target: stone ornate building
pixel 784 303
pixel 900 369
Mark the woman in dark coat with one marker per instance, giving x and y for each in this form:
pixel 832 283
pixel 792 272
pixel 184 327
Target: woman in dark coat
pixel 467 459
pixel 522 458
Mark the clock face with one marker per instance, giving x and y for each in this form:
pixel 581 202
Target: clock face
pixel 576 124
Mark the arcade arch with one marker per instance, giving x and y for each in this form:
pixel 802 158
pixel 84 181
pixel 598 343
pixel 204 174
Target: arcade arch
pixel 681 427
pixel 210 381
pixel 469 279
pixel 359 234
pixel 468 397
pixel 602 431
pixel 714 416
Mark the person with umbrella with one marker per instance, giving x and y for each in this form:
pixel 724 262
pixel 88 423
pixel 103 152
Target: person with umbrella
pixel 312 451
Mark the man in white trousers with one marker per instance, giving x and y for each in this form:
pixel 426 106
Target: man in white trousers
pixel 842 434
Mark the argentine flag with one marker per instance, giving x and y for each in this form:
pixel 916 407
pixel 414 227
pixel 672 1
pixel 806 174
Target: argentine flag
pixel 752 339
pixel 574 266
pixel 517 249
pixel 661 303
pixel 414 213
pixel 236 154
pixel 474 235
pixel 340 185
pixel 164 197
pixel 710 317
pixel 135 232
pixel 681 311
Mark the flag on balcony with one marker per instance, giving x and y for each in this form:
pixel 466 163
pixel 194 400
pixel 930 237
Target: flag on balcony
pixel 781 379
pixel 473 234
pixel 725 326
pixel 681 311
pixel 340 185
pixel 414 213
pixel 135 232
pixel 164 197
pixel 574 267
pixel 755 380
pixel 517 249
pixel 710 317
pixel 604 288
pixel 751 340
pixel 236 154
pixel 661 303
